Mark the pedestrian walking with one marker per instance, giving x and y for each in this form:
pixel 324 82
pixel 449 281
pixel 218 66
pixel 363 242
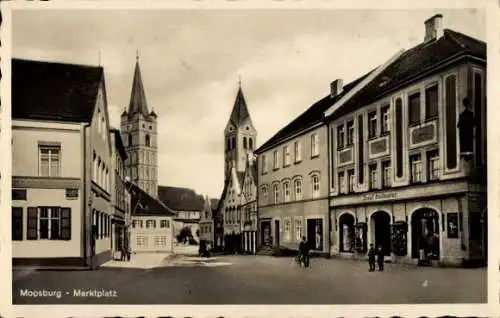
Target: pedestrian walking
pixel 380 258
pixel 371 258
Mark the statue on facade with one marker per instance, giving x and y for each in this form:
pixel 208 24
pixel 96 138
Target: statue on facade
pixel 466 125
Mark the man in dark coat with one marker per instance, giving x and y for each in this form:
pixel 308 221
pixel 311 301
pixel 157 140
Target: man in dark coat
pixel 380 257
pixel 371 258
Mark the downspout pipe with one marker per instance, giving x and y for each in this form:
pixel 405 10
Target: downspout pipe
pixel 86 201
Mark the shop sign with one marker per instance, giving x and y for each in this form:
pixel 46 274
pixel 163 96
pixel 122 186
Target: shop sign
pixel 452 225
pixel 380 196
pixel 71 193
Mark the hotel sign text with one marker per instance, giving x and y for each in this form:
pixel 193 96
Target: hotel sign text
pixel 380 196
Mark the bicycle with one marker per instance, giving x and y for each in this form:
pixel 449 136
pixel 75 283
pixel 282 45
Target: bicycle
pixel 302 259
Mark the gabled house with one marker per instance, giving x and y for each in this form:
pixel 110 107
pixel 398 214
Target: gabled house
pixel 408 155
pixel 187 206
pixel 207 232
pixel 248 207
pixel 61 171
pixel 120 196
pixel 229 209
pixel 152 227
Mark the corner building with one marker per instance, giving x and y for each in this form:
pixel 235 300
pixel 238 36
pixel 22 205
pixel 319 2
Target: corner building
pixel 408 160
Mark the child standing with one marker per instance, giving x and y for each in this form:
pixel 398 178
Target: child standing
pixel 371 258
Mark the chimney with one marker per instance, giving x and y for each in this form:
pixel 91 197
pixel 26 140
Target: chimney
pixel 433 27
pixel 336 87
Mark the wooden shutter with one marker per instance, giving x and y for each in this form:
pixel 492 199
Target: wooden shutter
pixel 66 224
pixel 17 224
pixel 32 223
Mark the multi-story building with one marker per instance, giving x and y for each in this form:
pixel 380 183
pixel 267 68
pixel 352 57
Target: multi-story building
pixel 61 147
pixel 187 206
pixel 120 196
pixel 207 232
pixel 152 227
pixel 139 133
pixel 293 180
pixel 248 207
pixel 408 155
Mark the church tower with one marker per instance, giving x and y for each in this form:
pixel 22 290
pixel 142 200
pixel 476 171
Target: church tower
pixel 139 134
pixel 240 136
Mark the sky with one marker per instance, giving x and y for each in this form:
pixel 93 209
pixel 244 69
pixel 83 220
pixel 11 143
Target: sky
pixel 191 61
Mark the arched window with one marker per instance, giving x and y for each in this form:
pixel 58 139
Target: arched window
pixel 130 140
pixel 286 191
pixel 233 145
pixel 315 185
pixel 148 141
pixel 228 144
pixel 244 142
pixel 264 195
pixel 297 184
pixel 250 143
pixel 276 192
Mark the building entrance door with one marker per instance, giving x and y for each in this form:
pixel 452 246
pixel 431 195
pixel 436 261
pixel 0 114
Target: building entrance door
pixel 265 232
pixel 381 231
pixel 276 232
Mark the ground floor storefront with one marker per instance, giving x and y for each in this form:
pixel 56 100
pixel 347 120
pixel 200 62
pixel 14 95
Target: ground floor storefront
pixel 285 225
pixel 440 224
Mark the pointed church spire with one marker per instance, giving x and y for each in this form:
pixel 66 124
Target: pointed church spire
pixel 240 110
pixel 138 102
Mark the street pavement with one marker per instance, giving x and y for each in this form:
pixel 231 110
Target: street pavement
pixel 187 279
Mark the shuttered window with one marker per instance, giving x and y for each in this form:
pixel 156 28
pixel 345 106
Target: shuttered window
pixel 66 224
pixel 17 224
pixel 32 224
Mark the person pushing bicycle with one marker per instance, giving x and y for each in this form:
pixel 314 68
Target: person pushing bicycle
pixel 304 251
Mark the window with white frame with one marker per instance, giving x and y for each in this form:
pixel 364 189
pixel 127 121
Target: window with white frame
pixel 314 145
pixel 286 191
pixel 373 176
pixel 49 223
pixel 286 155
pixel 150 224
pixel 342 184
pixel 386 174
pixel 350 133
pixel 264 195
pixel 385 120
pixel 414 109
pixel 340 136
pixel 288 229
pixel 352 179
pixel 299 232
pixel 298 189
pixel 276 191
pixel 298 151
pixel 161 240
pixel 142 241
pixel 431 102
pixel 416 168
pixel 263 163
pixel 49 164
pixel 372 124
pixel 315 185
pixel 276 158
pixel 433 161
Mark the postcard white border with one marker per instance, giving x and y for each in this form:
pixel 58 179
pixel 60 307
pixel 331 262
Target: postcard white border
pixel 493 37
